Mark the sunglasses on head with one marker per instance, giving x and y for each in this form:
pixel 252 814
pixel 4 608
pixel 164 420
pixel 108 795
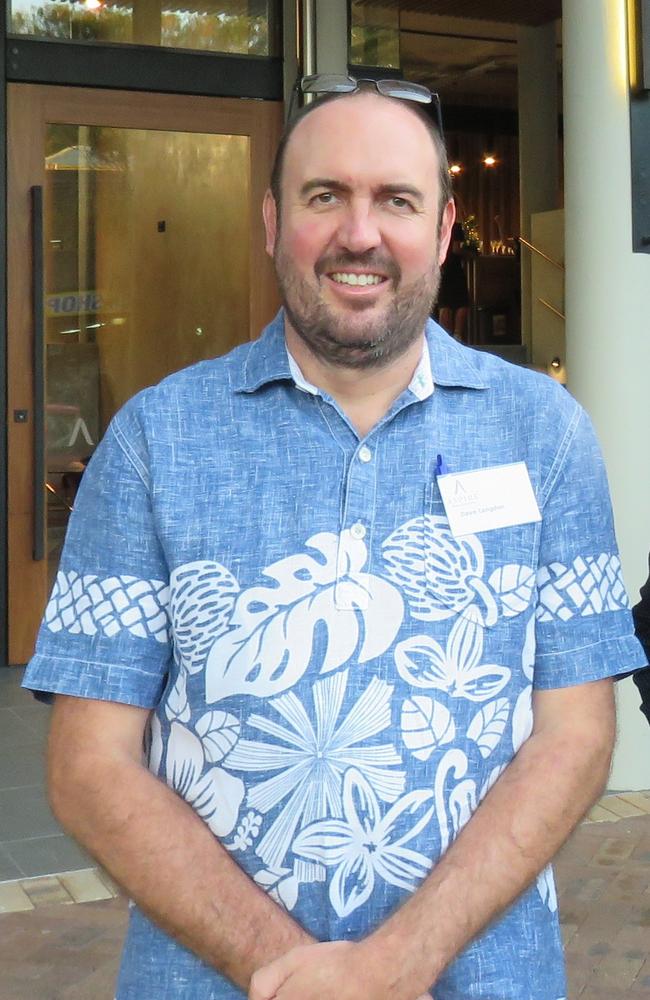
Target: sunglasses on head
pixel 331 83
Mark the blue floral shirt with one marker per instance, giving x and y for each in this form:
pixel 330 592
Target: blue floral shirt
pixel 337 681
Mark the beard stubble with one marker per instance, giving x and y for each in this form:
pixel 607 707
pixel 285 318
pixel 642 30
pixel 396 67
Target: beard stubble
pixel 375 343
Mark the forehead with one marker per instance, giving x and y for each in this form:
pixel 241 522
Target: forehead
pixel 364 139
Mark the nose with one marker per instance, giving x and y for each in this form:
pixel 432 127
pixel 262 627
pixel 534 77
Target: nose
pixel 359 228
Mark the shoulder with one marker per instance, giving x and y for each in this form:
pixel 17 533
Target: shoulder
pixel 199 389
pixel 513 388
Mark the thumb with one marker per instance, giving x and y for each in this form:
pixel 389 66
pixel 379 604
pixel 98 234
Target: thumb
pixel 267 981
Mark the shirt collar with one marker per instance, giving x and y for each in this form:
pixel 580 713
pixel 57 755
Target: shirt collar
pixel 421 385
pixel 453 364
pixel 444 362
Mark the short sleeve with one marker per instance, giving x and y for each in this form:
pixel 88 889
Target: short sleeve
pixel 584 628
pixel 105 633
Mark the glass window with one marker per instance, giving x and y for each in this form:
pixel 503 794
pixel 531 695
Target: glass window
pixel 374 39
pixel 244 27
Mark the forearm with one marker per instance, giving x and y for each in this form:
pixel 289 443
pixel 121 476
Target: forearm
pixel 168 861
pixel 516 831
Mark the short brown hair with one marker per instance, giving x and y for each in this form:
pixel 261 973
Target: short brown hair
pixel 419 110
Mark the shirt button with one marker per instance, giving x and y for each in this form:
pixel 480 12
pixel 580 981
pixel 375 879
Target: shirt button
pixel 358 530
pixel 365 454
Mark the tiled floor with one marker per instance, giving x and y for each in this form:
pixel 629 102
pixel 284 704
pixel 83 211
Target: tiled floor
pixel 31 841
pixel 55 951
pixel 51 949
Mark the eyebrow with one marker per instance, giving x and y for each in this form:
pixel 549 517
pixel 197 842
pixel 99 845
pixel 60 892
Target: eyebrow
pixel 336 185
pixel 323 182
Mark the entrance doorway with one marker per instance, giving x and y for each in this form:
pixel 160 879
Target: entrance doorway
pixel 135 229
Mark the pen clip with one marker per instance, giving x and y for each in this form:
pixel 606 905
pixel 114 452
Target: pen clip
pixel 441 467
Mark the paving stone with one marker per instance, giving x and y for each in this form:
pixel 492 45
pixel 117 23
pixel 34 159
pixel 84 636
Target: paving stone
pixel 86 886
pixel 72 952
pixel 639 799
pixel 622 806
pixel 13 898
pixel 109 882
pixel 45 891
pixel 613 850
pixel 599 813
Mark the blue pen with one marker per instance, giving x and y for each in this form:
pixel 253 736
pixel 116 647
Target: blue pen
pixel 441 467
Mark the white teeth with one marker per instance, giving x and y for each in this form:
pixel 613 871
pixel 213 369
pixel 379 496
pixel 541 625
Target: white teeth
pixel 345 278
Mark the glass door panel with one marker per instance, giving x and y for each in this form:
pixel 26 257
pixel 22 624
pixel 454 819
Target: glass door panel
pixel 137 284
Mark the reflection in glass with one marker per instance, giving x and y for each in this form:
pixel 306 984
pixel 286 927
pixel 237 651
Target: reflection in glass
pixel 235 26
pixel 146 270
pixel 374 34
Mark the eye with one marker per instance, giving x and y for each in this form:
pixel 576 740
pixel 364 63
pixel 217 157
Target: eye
pixel 395 201
pixel 324 198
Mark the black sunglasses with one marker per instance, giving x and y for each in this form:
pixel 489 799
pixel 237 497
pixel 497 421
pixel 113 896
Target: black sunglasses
pixel 331 83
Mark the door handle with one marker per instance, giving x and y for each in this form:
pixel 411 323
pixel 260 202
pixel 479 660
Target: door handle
pixel 39 528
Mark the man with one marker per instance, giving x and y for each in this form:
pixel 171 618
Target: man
pixel 363 730
pixel 641 616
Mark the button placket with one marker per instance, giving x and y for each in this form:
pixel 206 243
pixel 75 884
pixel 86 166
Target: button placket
pixel 351 591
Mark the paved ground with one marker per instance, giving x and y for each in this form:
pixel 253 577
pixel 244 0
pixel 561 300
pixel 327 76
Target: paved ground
pixel 70 952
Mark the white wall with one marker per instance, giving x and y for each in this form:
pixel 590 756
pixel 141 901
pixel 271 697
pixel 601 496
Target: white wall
pixel 608 304
pixel 547 285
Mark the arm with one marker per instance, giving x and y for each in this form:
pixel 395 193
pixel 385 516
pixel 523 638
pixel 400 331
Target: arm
pixel 528 814
pixel 641 614
pixel 154 844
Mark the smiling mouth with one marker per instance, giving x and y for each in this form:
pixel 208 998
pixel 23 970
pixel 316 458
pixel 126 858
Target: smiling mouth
pixel 356 280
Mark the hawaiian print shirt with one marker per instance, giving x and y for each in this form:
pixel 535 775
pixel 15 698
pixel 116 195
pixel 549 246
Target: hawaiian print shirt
pixel 336 679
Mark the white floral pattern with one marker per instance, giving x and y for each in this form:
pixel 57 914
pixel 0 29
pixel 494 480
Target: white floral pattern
pixel 422 662
pixel 588 586
pixel 522 717
pixel 488 725
pixel 202 596
pixel 454 810
pixel 426 725
pixel 435 570
pixel 442 576
pixel 309 758
pixel 88 604
pixel 214 794
pixel 319 797
pixel 546 888
pixel 364 845
pixel 269 644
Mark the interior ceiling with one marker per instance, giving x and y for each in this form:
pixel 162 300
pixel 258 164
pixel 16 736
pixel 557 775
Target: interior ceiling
pixel 467 49
pixel 531 12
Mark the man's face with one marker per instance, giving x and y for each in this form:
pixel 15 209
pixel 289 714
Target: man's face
pixel 357 249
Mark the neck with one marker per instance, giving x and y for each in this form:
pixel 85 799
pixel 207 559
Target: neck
pixel 364 394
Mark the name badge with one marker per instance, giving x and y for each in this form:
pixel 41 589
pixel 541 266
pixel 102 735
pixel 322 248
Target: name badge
pixel 485 499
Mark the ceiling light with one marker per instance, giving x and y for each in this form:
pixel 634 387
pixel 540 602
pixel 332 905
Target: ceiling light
pixel 489 160
pixel 455 168
pixel 92 4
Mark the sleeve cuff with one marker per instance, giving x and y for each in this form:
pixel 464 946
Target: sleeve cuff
pixel 605 658
pixel 49 675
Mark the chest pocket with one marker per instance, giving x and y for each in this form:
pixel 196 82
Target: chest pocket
pixel 487 577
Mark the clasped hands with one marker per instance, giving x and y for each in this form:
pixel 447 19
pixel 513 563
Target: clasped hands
pixel 331 970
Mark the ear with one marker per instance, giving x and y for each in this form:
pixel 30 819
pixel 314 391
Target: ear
pixel 270 214
pixel 446 224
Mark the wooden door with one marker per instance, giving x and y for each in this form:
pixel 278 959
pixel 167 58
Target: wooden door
pixel 136 247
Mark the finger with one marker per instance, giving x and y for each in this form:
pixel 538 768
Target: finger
pixel 266 982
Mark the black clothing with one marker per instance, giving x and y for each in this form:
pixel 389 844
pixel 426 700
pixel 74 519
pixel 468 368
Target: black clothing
pixel 641 614
pixel 453 292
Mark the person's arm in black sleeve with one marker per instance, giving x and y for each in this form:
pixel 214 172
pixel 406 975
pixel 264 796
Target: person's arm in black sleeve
pixel 641 614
